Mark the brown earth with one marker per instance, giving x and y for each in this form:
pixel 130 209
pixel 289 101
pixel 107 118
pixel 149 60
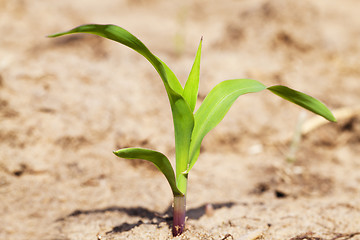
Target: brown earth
pixel 67 103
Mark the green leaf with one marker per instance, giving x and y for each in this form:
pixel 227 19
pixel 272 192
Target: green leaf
pixel 303 100
pixel 122 36
pixel 215 106
pixel 159 159
pixel 183 126
pixel 172 79
pixel 192 84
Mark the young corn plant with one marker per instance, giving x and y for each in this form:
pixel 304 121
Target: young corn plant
pixel 190 127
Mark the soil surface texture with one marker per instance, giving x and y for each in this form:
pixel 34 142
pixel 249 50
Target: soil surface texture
pixel 67 103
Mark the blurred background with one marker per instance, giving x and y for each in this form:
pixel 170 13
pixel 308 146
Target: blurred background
pixel 67 103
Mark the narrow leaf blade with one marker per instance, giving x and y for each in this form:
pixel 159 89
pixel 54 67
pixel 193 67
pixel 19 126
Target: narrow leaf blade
pixel 183 125
pixel 124 37
pixel 303 100
pixel 159 159
pixel 192 84
pixel 214 108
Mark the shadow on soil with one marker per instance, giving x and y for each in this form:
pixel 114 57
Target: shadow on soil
pixel 155 217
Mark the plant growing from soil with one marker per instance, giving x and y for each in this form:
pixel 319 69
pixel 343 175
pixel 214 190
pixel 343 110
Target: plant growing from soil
pixel 190 126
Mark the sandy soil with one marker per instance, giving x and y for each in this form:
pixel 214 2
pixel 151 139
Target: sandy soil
pixel 67 103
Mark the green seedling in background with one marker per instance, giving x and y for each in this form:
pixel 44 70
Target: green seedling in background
pixel 191 127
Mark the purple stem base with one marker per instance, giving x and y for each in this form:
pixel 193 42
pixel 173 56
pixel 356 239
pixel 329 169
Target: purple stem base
pixel 179 215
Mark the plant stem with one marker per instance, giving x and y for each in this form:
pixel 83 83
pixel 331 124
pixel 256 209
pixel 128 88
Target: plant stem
pixel 179 215
pixel 181 180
